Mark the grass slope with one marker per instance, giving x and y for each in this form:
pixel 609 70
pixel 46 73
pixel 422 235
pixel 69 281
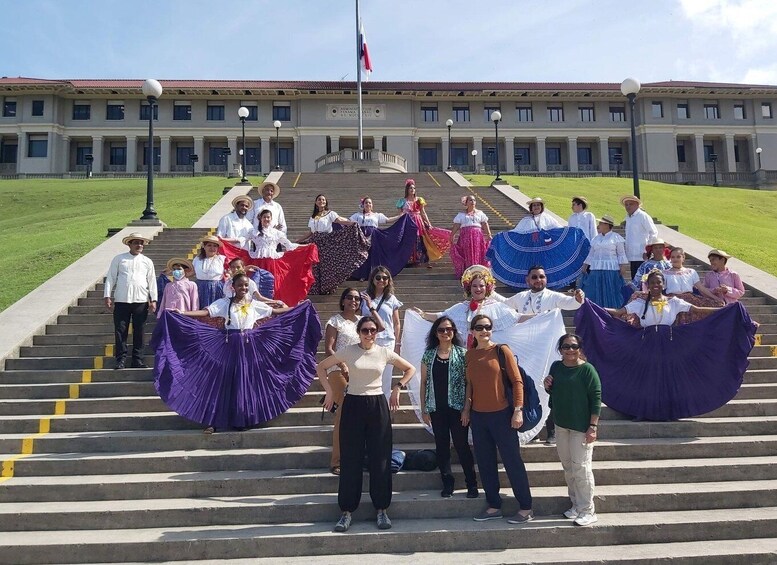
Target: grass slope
pixel 46 224
pixel 742 222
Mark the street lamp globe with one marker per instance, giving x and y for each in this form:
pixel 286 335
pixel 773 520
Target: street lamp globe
pixel 242 112
pixel 630 86
pixel 496 116
pixel 276 124
pixel 151 88
pixel 449 122
pixel 758 150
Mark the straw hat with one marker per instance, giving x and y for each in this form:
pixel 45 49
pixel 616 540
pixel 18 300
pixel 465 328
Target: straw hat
pixel 606 219
pixel 187 265
pixel 210 239
pixel 277 192
pixel 135 235
pixel 243 198
pixel 719 253
pixel 582 199
pixel 655 240
pixel 630 198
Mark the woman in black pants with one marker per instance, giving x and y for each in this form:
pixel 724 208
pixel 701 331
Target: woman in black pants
pixel 365 425
pixel 443 388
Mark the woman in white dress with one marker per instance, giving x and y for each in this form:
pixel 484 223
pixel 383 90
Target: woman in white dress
pixel 538 219
pixel 474 234
pixel 369 217
pixel 209 270
pixel 606 269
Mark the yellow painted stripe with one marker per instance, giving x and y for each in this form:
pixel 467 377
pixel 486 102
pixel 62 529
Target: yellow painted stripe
pixel 490 207
pixel 774 350
pixel 758 339
pixel 45 426
pixel 8 466
pixel 27 444
pixel 59 408
pixel 73 391
pixel 98 362
pixel 86 376
pixel 108 350
pixel 433 179
pixel 296 180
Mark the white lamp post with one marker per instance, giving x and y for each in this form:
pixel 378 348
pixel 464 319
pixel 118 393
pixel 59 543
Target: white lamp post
pixel 630 87
pixel 152 90
pixel 474 160
pixel 277 125
pixel 758 152
pixel 449 124
pixel 496 116
pixel 242 113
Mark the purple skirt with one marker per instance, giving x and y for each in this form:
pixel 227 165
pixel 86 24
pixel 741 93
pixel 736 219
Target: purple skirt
pixel 235 379
pixel 663 373
pixel 390 247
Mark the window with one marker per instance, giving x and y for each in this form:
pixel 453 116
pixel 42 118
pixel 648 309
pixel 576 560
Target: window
pixel 37 107
pixel 82 111
pixel 584 156
pixel 253 112
pixel 709 150
pixel 282 113
pixel 617 114
pixel 252 156
pixel 460 114
pixel 144 111
pixel 286 157
pixel 739 110
pixel 681 153
pixel 81 152
pixel 657 109
pixel 181 111
pixel 555 113
pixel 428 156
pixel 586 113
pixel 488 110
pixel 522 156
pixel 736 153
pixel 615 153
pixel 117 155
pixel 182 155
pixel 8 153
pixel 523 113
pixel 429 114
pixel 157 155
pixel 711 111
pixel 682 111
pixel 460 155
pixel 766 110
pixel 114 111
pixel 553 155
pixel 37 145
pixel 9 108
pixel 215 112
pixel 216 156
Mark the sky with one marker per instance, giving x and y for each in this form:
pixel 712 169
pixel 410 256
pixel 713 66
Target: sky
pixel 408 40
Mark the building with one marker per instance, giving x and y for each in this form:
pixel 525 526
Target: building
pixel 50 127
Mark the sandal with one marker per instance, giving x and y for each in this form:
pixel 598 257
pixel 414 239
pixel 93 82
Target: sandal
pixel 209 430
pixel 335 470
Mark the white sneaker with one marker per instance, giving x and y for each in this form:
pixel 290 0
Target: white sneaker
pixel 586 519
pixel 571 513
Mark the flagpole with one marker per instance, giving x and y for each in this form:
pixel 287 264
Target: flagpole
pixel 359 79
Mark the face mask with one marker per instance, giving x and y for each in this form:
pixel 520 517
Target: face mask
pixel 178 274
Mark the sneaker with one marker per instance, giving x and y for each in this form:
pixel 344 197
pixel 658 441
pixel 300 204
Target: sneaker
pixel 551 440
pixel 486 515
pixel 343 523
pixel 472 492
pixel 586 519
pixel 139 365
pixel 119 364
pixel 383 521
pixel 520 518
pixel 571 513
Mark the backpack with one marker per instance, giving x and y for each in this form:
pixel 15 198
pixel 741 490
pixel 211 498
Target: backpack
pixel 532 409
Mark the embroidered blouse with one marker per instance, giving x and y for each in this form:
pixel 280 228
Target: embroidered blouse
pixel 473 220
pixel 210 268
pixel 678 282
pixel 373 219
pixel 608 252
pixel 324 223
pixel 659 313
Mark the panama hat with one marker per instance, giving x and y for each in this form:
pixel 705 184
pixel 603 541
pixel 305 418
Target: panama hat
pixel 210 239
pixel 655 240
pixel 274 185
pixel 135 235
pixel 187 265
pixel 582 199
pixel 606 219
pixel 243 198
pixel 630 198
pixel 719 253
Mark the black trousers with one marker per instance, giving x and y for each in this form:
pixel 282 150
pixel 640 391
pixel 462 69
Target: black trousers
pixel 123 314
pixel 365 427
pixel 446 424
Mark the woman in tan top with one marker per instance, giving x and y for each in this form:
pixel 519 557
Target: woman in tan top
pixel 495 421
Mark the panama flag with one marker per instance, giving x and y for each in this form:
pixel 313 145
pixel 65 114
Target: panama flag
pixel 364 54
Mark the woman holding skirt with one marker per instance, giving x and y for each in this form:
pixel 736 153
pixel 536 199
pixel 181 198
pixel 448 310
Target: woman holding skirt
pixel 606 269
pixel 240 376
pixel 432 242
pixel 474 234
pixel 209 268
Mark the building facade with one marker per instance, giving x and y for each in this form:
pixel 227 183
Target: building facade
pixel 51 127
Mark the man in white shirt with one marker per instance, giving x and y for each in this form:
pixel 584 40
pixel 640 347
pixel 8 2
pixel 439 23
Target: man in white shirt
pixel 132 281
pixel 235 227
pixel 639 229
pixel 269 191
pixel 539 299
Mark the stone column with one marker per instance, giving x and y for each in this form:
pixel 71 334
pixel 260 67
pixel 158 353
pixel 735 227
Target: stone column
pixel 698 145
pixel 414 166
pixel 509 155
pixel 199 150
pixel 731 160
pixel 65 154
pixel 97 153
pixel 132 154
pixel 296 151
pixel 604 154
pixel 265 154
pixel 335 142
pixel 164 157
pixel 20 152
pixel 477 144
pixel 542 163
pixel 572 154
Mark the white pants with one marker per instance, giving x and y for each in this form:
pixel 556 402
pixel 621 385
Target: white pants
pixel 576 459
pixel 389 370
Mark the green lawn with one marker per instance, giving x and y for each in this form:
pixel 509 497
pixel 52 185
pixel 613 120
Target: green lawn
pixel 741 222
pixel 46 224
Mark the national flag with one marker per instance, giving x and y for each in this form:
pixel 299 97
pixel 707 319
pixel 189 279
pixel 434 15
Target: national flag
pixel 364 54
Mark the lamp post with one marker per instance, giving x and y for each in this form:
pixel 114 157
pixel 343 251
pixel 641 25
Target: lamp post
pixel 714 159
pixel 242 113
pixel 758 152
pixel 449 123
pixel 152 90
pixel 89 158
pixel 630 87
pixel 618 157
pixel 226 152
pixel 474 160
pixel 518 161
pixel 192 160
pixel 496 116
pixel 277 125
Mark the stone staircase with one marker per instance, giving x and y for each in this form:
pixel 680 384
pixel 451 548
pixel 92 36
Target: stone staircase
pixel 97 470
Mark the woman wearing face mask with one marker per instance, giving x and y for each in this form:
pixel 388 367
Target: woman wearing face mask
pixel 180 293
pixel 239 376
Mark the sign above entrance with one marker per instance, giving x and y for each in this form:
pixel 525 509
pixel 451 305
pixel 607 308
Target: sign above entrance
pixel 351 112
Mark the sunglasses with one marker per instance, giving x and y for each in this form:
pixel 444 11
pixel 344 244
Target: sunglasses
pixel 483 328
pixel 368 331
pixel 352 297
pixel 572 346
pixel 381 278
pixel 445 330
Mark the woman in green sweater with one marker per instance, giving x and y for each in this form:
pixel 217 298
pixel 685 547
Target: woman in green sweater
pixel 576 396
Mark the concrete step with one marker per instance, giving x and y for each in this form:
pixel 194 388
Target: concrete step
pixel 46 391
pixel 50 376
pixel 316 538
pixel 20 407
